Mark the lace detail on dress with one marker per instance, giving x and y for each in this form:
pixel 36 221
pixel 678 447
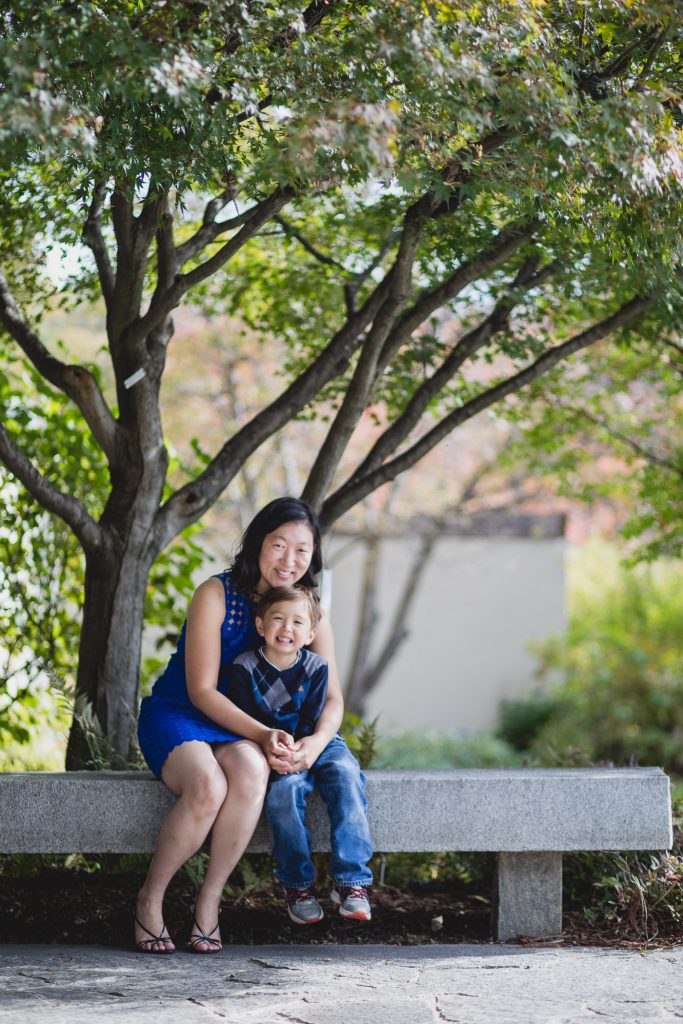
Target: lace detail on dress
pixel 236 605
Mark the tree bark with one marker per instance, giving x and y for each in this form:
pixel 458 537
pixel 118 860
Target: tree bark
pixel 109 650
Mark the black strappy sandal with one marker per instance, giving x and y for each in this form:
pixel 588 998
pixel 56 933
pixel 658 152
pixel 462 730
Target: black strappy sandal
pixel 143 944
pixel 216 944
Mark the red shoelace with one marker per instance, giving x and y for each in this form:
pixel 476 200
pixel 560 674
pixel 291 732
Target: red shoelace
pixel 354 892
pixel 300 894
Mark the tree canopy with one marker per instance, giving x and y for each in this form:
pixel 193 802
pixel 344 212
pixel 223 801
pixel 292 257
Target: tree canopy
pixel 433 204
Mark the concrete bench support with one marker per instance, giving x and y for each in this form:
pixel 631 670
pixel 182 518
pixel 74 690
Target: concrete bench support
pixel 528 900
pixel 529 817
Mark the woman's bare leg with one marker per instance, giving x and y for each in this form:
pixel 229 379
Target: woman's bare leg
pixel 193 773
pixel 247 772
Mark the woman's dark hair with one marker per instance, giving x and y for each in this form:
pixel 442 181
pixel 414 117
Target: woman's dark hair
pixel 245 570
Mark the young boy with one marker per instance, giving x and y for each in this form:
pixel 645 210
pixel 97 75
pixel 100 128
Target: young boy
pixel 284 685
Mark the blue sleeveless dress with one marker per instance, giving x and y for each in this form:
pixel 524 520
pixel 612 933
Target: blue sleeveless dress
pixel 168 717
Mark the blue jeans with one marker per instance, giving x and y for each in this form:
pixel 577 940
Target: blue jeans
pixel 341 784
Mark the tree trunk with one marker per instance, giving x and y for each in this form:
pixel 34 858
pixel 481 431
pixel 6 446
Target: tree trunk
pixel 109 652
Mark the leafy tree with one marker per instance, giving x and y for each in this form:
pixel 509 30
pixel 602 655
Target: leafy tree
pixel 341 176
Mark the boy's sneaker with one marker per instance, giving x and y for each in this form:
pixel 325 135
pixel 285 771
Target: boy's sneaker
pixel 352 901
pixel 302 906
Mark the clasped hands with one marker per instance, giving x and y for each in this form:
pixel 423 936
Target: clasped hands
pixel 286 755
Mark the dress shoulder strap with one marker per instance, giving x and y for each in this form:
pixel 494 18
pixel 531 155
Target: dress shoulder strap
pixel 236 604
pixel 226 579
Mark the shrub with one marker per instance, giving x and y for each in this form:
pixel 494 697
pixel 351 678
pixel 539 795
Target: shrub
pixel 621 660
pixel 436 750
pixel 522 719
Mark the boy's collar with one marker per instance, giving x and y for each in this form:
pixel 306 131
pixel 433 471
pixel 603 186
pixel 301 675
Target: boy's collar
pixel 262 652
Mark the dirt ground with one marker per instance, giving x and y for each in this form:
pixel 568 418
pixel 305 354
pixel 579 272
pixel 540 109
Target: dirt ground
pixel 78 907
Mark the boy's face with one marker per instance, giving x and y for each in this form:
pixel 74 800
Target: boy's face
pixel 286 626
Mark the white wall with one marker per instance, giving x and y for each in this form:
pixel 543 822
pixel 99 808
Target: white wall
pixel 479 604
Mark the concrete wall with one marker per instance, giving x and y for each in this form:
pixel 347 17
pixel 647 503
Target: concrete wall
pixel 480 603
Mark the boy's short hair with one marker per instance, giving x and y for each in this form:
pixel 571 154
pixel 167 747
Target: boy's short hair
pixel 276 594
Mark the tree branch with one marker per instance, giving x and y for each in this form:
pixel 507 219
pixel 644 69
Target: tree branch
pixel 466 346
pixel 94 239
pixel 246 115
pixel 593 82
pixel 365 374
pixel 293 232
pixel 357 487
pixel 652 55
pixel 166 251
pixel 622 60
pixel 123 219
pixel 635 446
pixel 192 500
pixel 265 211
pixel 211 228
pixel 352 287
pixel 505 244
pixel 133 238
pixel 68 508
pixel 75 381
pixel 454 175
pixel 162 303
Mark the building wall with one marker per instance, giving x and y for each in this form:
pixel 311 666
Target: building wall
pixel 480 603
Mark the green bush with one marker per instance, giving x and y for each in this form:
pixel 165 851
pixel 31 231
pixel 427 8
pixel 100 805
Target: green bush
pixel 436 750
pixel 522 719
pixel 621 661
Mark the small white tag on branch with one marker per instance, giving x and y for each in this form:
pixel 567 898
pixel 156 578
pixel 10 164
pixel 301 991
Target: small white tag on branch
pixel 134 378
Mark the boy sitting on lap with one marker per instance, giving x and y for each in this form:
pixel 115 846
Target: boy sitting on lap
pixel 283 685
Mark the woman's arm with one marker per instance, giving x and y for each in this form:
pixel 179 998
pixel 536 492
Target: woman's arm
pixel 308 750
pixel 202 663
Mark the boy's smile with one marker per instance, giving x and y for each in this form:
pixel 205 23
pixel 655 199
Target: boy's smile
pixel 286 628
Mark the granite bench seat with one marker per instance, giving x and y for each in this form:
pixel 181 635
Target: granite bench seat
pixel 529 817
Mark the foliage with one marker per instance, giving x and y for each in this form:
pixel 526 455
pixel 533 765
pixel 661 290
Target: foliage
pixel 361 738
pixel 614 433
pixel 473 870
pixel 630 894
pixel 621 698
pixel 444 750
pixel 520 719
pixel 41 572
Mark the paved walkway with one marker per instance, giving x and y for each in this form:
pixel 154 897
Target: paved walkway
pixel 341 985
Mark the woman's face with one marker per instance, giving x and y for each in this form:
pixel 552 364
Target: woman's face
pixel 285 555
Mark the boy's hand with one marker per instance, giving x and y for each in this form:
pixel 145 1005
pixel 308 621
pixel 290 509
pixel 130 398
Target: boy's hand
pixel 304 754
pixel 277 745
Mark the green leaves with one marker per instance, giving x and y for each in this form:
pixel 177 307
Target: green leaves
pixel 621 664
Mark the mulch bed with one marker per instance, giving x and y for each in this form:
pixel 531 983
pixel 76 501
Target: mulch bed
pixel 78 907
pixel 72 907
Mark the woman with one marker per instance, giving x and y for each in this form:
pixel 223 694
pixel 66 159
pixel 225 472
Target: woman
pixel 213 756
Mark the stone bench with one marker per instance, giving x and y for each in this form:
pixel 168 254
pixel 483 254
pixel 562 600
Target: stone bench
pixel 529 817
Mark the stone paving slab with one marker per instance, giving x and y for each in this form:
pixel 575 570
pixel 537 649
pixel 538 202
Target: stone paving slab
pixel 463 984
